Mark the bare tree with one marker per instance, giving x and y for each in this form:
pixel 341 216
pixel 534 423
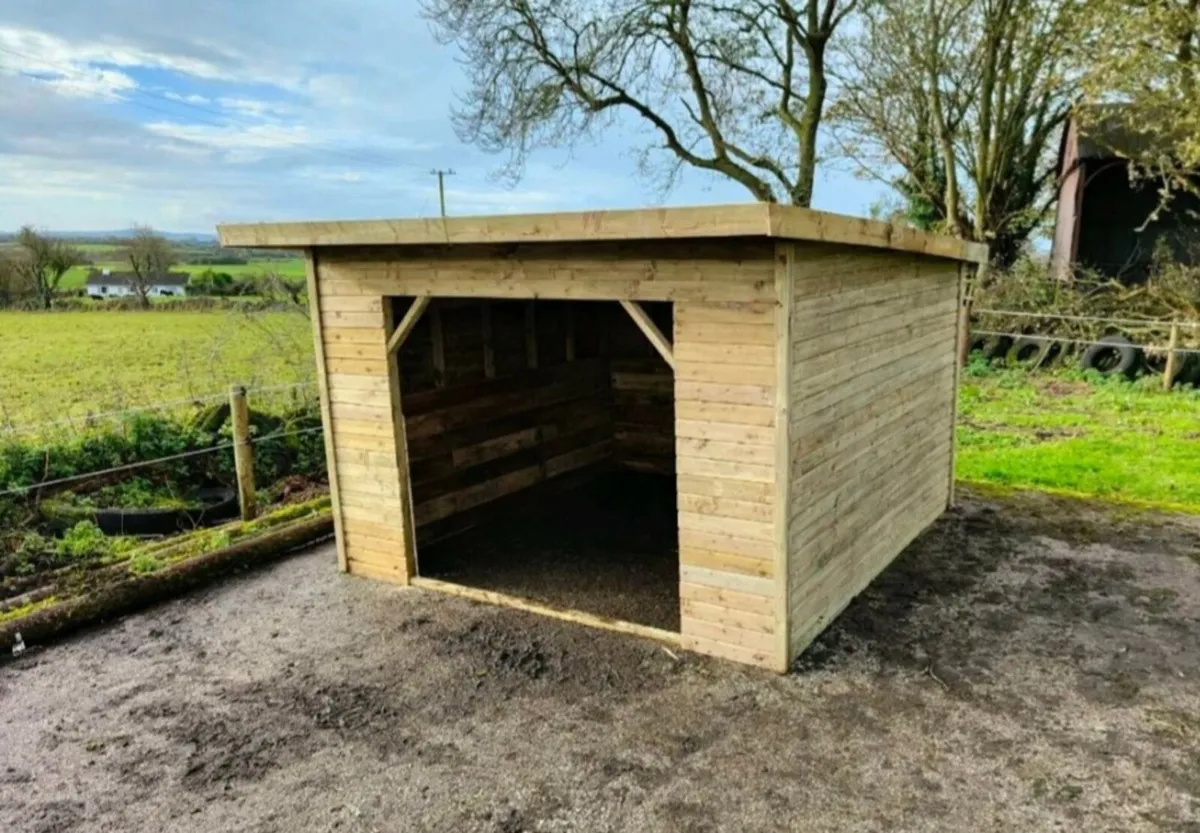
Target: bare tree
pixel 958 104
pixel 150 257
pixel 278 290
pixel 40 263
pixel 736 87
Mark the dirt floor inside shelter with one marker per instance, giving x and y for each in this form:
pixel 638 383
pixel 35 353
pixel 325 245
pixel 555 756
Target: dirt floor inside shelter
pixel 1029 664
pixel 608 546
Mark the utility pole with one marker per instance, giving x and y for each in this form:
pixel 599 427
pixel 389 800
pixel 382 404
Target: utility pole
pixel 441 175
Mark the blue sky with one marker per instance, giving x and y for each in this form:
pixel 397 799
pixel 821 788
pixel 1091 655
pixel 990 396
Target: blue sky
pixel 114 112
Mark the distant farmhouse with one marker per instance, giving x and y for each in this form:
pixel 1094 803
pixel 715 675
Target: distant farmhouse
pixel 1104 222
pixel 103 283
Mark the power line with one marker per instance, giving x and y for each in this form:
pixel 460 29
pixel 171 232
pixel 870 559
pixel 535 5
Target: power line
pixel 441 177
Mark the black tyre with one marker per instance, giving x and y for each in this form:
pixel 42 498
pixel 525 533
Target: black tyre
pixel 1032 351
pixel 997 347
pixel 1112 355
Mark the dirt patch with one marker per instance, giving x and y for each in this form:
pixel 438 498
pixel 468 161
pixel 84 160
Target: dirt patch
pixel 1002 675
pixel 608 547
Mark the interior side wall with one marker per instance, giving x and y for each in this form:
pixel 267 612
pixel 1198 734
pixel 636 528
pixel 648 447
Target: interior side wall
pixel 643 391
pixel 499 397
pixel 872 402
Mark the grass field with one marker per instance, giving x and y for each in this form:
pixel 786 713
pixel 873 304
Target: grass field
pixel 1130 442
pixel 60 365
pixel 1059 432
pixel 292 267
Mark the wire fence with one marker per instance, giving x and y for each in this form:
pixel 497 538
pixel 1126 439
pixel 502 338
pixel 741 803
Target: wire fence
pixel 1082 342
pixel 152 407
pixel 1154 323
pixel 62 481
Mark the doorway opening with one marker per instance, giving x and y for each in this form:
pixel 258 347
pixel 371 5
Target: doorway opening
pixel 542 455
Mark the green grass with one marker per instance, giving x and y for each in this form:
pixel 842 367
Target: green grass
pixel 1066 433
pixel 56 365
pixel 292 267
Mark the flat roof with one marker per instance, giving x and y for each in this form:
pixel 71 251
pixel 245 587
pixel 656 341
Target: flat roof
pixel 784 222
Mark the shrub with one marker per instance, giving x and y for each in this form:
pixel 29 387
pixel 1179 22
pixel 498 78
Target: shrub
pixel 144 564
pixel 82 542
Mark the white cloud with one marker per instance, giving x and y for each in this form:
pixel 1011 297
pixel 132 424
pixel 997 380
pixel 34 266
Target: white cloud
pixel 192 98
pixel 234 137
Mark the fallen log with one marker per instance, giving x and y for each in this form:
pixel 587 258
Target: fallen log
pixel 135 592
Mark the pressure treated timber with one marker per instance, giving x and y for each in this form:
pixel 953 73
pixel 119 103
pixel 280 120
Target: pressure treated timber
pixel 793 371
pixel 739 220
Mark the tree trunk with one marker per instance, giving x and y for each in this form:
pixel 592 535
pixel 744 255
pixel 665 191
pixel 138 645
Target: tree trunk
pixel 814 107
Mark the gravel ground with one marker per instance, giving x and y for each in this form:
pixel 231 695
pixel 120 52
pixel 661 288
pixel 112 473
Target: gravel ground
pixel 1027 665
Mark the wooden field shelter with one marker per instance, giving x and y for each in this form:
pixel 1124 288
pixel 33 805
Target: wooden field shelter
pixel 794 371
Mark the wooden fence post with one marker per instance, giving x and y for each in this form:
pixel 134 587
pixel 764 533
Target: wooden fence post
pixel 1172 357
pixel 243 452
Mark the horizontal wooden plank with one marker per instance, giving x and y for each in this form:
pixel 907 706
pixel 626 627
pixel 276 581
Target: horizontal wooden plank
pixel 722 615
pixel 356 350
pixel 359 542
pixel 351 303
pixel 852 329
pixel 358 413
pixel 715 486
pixel 812 390
pixel 725 469
pixel 344 441
pixel 726 562
pixel 755 640
pixel 382 427
pixel 358 366
pixel 725 432
pixel 732 600
pixel 724 525
pixel 727 334
pixel 357 382
pixel 758 355
pixel 380 399
pixel 353 320
pixel 727 507
pixel 746 656
pixel 332 336
pixel 392 573
pixel 727 581
pixel 713 450
pixel 760 313
pixel 733 374
pixel 727 394
pixel 373 513
pixel 367 458
pixel 724 412
pixel 717 542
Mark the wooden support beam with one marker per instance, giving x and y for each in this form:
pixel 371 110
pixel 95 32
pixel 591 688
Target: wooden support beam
pixel 569 323
pixel 489 349
pixel 331 463
pixel 405 327
pixel 531 347
pixel 660 342
pixel 437 344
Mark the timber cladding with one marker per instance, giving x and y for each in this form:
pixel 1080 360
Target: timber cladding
pixel 793 371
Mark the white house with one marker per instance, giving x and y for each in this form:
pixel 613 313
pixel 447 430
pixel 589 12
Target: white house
pixel 105 283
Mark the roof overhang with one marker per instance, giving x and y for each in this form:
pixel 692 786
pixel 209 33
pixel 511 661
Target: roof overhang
pixel 783 222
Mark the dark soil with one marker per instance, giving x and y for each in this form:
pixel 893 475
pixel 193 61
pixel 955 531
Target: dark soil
pixel 607 547
pixel 1027 665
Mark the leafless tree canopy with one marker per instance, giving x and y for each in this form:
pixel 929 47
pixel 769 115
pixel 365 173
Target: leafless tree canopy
pixel 966 99
pixel 736 87
pixel 40 262
pixel 150 257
